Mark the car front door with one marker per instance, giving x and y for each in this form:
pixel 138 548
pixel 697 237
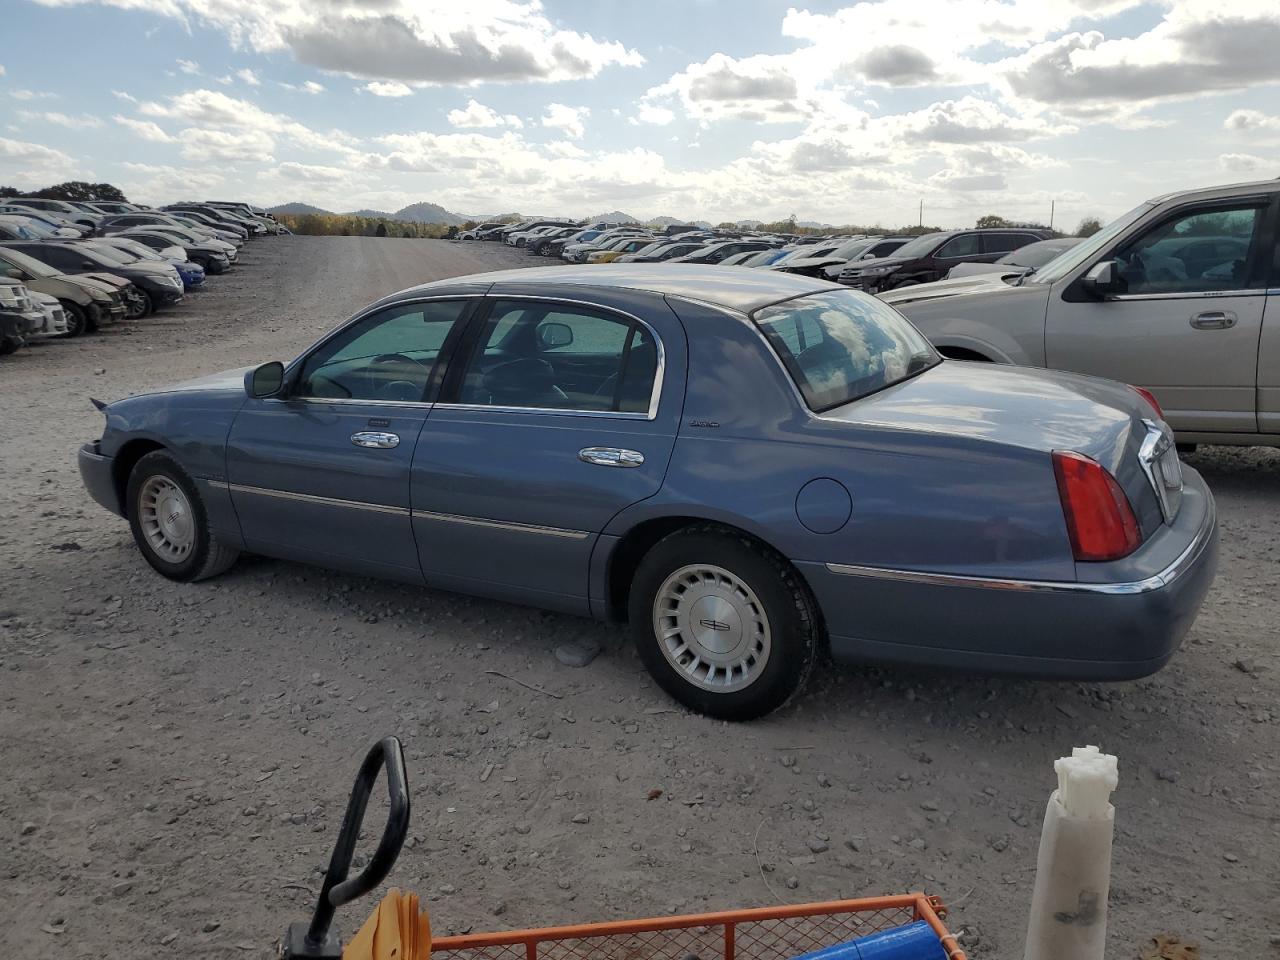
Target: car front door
pixel 1186 327
pixel 555 416
pixel 321 473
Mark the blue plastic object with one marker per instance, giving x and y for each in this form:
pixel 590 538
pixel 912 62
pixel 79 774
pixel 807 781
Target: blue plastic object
pixel 915 941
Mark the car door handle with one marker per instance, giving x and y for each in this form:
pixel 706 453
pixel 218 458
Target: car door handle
pixel 375 440
pixel 611 457
pixel 1215 320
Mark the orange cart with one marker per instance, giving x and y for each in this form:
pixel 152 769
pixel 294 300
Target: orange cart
pixel 764 933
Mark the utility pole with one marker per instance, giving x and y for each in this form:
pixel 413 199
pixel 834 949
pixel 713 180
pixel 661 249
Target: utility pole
pixel 1052 204
pixel 921 212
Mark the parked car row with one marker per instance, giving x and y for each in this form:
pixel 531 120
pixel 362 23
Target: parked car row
pixel 871 263
pixel 68 269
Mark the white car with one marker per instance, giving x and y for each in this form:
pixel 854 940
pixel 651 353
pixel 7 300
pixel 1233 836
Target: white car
pixel 55 318
pixel 15 226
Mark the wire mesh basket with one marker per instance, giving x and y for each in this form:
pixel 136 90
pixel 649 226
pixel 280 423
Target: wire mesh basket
pixel 766 933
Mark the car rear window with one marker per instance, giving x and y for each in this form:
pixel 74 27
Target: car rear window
pixel 843 345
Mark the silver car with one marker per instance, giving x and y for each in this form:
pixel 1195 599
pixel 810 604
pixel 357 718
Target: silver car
pixel 1181 296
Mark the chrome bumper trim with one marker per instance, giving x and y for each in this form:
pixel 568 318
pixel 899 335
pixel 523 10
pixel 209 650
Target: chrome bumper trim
pixel 1158 581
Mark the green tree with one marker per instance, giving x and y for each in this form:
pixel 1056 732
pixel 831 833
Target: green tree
pixel 10 192
pixel 81 190
pixel 1088 227
pixel 991 220
pixel 381 231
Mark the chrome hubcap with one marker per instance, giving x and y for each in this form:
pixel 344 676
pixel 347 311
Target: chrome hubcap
pixel 712 628
pixel 165 516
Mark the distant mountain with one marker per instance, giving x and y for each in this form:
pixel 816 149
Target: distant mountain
pixel 372 214
pixel 616 217
pixel 296 208
pixel 423 212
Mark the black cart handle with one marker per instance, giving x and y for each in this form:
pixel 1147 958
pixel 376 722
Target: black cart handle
pixel 337 889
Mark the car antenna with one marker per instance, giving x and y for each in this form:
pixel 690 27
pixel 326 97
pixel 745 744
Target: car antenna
pixel 98 404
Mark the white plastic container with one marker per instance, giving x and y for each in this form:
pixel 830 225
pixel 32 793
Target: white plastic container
pixel 1073 872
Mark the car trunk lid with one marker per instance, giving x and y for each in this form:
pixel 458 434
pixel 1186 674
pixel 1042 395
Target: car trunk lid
pixel 1106 421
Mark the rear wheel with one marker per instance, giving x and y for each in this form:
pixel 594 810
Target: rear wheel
pixel 169 522
pixel 8 345
pixel 723 624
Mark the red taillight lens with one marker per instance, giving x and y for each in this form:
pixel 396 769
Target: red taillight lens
pixel 1150 397
pixel 1099 519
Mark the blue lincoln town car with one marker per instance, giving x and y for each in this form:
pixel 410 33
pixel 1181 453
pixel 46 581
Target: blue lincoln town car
pixel 749 467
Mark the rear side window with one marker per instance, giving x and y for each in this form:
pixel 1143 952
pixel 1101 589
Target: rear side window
pixel 540 355
pixel 965 245
pixel 843 345
pixel 1003 242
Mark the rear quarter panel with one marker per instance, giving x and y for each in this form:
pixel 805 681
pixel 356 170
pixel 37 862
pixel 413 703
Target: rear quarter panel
pixel 920 500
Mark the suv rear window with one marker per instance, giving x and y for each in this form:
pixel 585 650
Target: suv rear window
pixel 843 345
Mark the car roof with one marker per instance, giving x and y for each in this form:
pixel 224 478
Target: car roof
pixel 738 289
pixel 1229 189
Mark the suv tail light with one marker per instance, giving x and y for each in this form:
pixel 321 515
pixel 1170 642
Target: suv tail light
pixel 1150 397
pixel 1099 519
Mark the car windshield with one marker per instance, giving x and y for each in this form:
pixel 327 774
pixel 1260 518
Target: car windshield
pixel 918 247
pixel 107 252
pixel 843 345
pixel 1069 260
pixel 1036 255
pixel 37 268
pixel 36 228
pixel 851 249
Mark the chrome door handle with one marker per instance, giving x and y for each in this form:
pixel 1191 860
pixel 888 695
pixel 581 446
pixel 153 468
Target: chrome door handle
pixel 611 457
pixel 375 440
pixel 1215 320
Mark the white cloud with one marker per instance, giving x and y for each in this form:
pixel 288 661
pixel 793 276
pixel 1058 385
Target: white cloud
pixel 1250 120
pixel 651 113
pixel 392 89
pixel 21 94
pixel 312 173
pixel 477 115
pixel 309 86
pixel 213 110
pixel 189 67
pixel 82 122
pixel 248 76
pixel 231 146
pixel 412 41
pixel 568 119
pixel 127 97
pixel 1248 163
pixel 144 129
pixel 32 164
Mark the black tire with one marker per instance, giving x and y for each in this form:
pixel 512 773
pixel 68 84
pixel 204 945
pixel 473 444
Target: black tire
pixel 141 305
pixel 8 345
pixel 78 322
pixel 208 556
pixel 789 612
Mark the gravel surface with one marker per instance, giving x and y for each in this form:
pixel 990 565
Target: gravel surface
pixel 178 756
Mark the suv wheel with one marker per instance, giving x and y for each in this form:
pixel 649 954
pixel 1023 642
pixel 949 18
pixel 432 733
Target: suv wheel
pixel 723 624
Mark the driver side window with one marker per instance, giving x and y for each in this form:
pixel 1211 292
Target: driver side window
pixel 1198 252
pixel 388 355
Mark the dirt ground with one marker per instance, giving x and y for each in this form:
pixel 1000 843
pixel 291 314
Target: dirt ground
pixel 177 758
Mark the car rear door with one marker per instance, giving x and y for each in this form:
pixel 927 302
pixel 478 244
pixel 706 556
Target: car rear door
pixel 1187 329
pixel 556 415
pixel 321 473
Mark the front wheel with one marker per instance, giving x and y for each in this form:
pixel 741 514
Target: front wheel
pixel 77 319
pixel 169 522
pixel 722 623
pixel 140 304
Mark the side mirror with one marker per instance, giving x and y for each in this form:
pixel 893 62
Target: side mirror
pixel 87 264
pixel 1104 280
pixel 552 335
pixel 264 381
pixel 868 256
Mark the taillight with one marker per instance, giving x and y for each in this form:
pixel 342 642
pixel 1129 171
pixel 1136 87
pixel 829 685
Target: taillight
pixel 1100 521
pixel 1150 397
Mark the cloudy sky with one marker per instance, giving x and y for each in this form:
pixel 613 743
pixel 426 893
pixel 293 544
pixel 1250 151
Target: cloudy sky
pixel 715 109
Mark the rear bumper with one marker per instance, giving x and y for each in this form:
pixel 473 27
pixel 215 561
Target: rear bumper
pixel 1076 630
pixel 97 472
